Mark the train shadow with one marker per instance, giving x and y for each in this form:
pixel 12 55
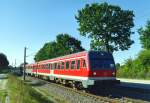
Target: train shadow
pixel 121 90
pixel 35 82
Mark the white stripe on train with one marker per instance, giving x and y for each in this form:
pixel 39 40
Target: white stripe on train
pixel 77 77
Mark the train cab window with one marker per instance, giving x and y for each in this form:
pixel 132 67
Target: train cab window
pixel 72 64
pixel 67 64
pixel 78 64
pixel 84 64
pixel 62 65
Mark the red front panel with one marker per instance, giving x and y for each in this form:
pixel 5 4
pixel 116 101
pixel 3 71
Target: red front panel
pixel 102 73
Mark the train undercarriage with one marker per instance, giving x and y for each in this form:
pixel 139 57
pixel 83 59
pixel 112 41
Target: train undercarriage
pixel 78 84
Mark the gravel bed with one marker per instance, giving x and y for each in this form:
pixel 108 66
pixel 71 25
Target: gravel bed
pixel 70 96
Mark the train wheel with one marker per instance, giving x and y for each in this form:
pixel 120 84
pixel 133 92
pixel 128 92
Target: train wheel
pixel 74 86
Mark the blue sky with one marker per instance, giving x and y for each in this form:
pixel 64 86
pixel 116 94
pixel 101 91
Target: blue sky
pixel 32 23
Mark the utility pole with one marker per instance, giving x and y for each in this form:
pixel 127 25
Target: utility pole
pixel 15 63
pixel 24 66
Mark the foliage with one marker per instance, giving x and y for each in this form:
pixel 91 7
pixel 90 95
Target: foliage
pixel 108 26
pixel 47 51
pixel 117 65
pixel 3 60
pixel 137 68
pixel 144 57
pixel 64 45
pixel 145 36
pixel 68 44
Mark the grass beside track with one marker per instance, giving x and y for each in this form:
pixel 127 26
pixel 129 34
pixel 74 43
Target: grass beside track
pixel 19 92
pixel 3 94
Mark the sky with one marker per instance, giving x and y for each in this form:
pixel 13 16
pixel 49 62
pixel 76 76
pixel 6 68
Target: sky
pixel 32 23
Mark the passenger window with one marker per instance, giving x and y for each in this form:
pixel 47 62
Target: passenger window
pixel 45 66
pixel 62 65
pixel 78 64
pixel 67 64
pixel 72 64
pixel 58 66
pixel 49 66
pixel 84 64
pixel 53 66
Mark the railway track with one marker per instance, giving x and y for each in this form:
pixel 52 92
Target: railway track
pixel 77 96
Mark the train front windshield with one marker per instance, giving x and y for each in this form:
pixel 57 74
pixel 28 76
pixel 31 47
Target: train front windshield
pixel 101 61
pixel 97 64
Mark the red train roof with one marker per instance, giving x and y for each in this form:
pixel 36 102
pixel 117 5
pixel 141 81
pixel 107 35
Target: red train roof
pixel 79 54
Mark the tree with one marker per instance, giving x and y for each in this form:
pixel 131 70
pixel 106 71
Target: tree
pixel 145 36
pixel 68 44
pixel 144 57
pixel 108 26
pixel 117 65
pixel 3 60
pixel 47 51
pixel 64 45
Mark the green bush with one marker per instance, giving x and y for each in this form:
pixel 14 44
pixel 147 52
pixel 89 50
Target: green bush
pixel 144 57
pixel 137 68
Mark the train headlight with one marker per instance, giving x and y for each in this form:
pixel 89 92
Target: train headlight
pixel 94 73
pixel 113 73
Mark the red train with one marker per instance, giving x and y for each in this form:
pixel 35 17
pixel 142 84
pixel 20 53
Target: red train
pixel 81 70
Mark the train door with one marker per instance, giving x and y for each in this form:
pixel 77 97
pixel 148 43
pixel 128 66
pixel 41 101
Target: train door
pixel 84 67
pixel 52 69
pixel 67 66
pixel 78 69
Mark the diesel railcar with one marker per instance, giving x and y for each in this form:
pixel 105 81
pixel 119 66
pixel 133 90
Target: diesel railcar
pixel 82 70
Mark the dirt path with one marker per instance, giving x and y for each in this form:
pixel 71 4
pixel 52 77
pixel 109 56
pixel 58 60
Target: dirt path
pixel 3 83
